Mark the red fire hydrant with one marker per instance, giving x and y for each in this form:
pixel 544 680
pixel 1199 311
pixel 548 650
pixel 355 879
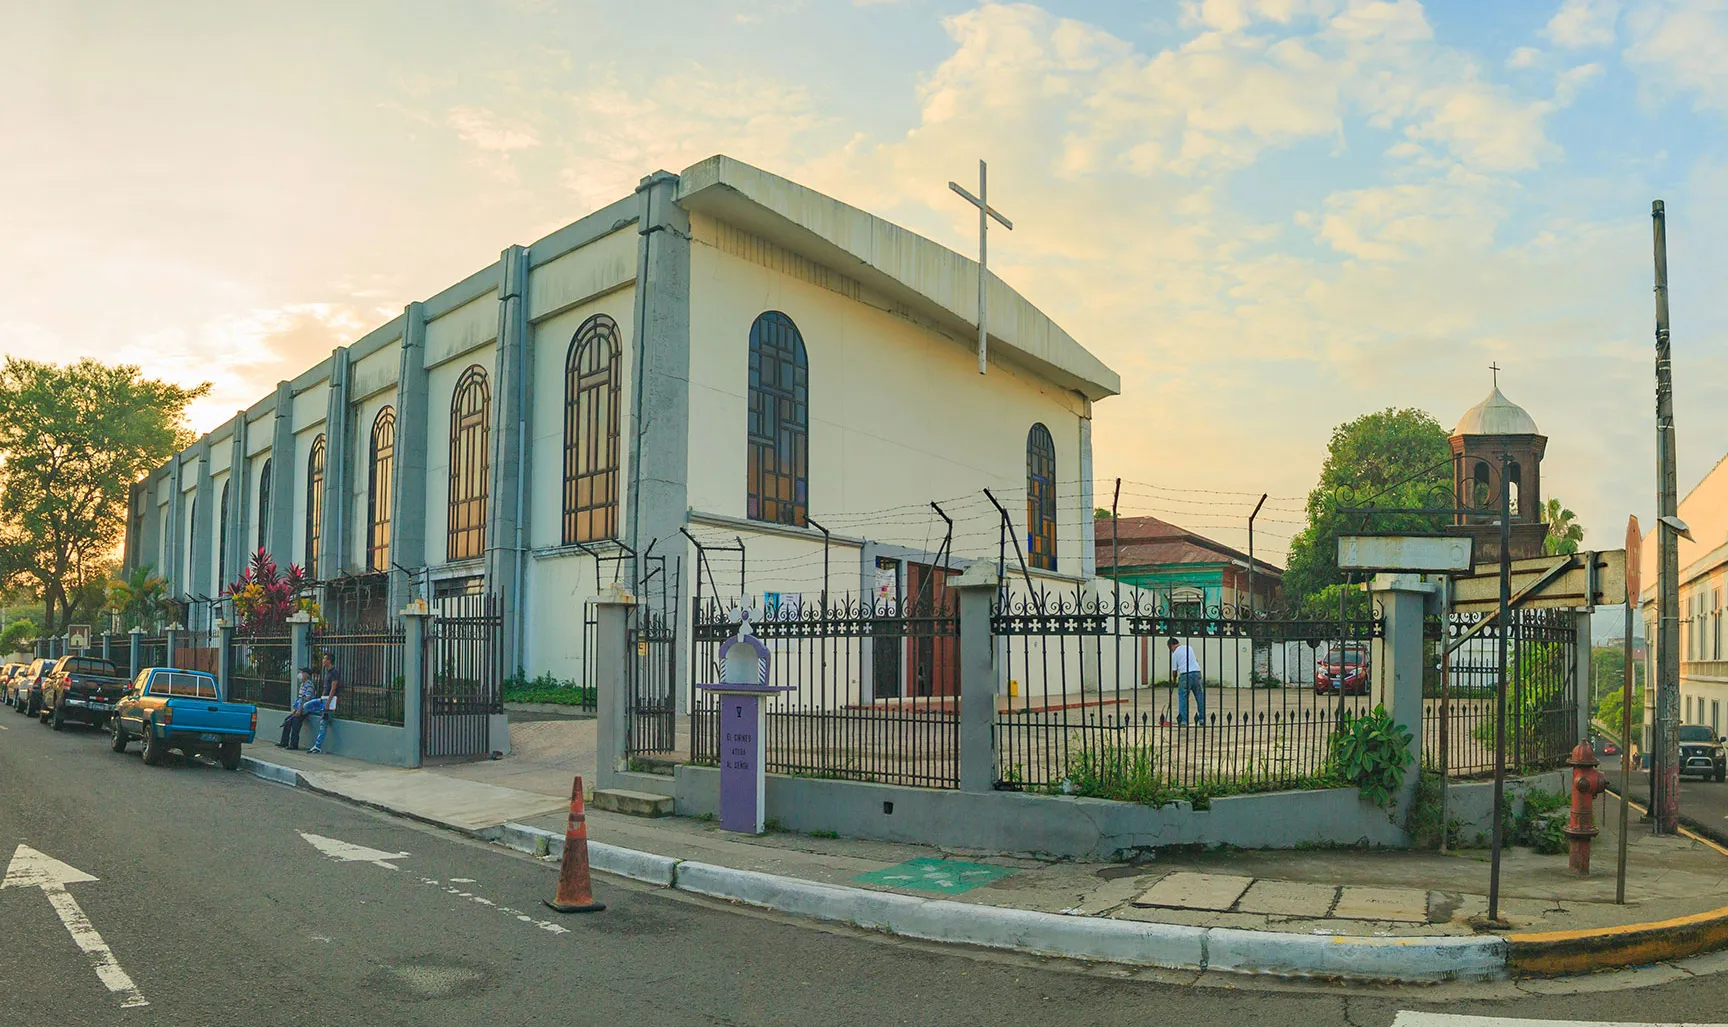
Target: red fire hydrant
pixel 1587 783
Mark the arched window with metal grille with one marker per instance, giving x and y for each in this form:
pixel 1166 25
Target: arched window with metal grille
pixel 1040 498
pixel 314 504
pixel 779 429
pixel 381 478
pixel 222 540
pixel 264 506
pixel 593 372
pixel 470 465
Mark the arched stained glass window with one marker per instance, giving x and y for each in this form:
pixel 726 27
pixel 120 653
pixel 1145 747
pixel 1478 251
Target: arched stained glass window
pixel 592 376
pixel 779 457
pixel 1040 498
pixel 380 480
pixel 470 462
pixel 314 504
pixel 264 506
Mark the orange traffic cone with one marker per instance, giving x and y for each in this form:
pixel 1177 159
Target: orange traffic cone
pixel 575 895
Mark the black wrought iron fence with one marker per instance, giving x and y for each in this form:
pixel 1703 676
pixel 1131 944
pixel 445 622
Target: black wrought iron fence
pixel 1098 701
pixel 1459 722
pixel 370 664
pixel 651 697
pixel 464 668
pixel 874 689
pixel 152 651
pixel 259 671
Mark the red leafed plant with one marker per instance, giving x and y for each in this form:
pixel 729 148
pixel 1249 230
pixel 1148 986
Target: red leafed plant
pixel 264 598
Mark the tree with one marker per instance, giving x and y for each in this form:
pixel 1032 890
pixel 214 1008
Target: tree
pixel 1564 531
pixel 140 598
pixel 73 440
pixel 1389 459
pixel 16 634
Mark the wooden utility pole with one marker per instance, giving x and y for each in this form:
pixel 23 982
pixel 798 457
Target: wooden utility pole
pixel 1665 750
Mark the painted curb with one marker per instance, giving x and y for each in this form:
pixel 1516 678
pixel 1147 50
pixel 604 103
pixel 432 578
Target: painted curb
pixel 647 867
pixel 1573 952
pixel 273 772
pixel 1421 959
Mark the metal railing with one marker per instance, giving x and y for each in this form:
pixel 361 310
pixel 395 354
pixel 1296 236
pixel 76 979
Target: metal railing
pixel 370 664
pixel 1541 694
pixel 259 671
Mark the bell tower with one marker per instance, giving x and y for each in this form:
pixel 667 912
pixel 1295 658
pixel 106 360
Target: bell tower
pixel 1494 434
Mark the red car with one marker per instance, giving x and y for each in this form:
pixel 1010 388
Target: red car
pixel 1342 671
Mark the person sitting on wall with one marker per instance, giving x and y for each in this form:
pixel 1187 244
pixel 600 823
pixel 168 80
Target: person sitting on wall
pixel 1185 672
pixel 306 702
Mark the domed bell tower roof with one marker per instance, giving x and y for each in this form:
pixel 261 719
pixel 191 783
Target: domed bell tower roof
pixel 1496 415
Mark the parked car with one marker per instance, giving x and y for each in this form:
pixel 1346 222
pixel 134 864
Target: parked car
pixel 82 688
pixel 1702 752
pixel 27 692
pixel 182 709
pixel 1605 747
pixel 7 674
pixel 1342 671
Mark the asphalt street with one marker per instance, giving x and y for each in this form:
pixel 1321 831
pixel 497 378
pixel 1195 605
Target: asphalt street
pixel 217 910
pixel 1704 804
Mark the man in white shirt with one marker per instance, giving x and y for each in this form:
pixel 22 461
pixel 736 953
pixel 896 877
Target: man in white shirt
pixel 1185 672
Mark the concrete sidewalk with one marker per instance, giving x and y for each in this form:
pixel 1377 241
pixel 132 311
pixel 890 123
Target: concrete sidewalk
pixel 1299 895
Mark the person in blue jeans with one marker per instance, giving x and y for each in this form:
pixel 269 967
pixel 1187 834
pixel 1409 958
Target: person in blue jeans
pixel 1185 672
pixel 306 703
pixel 327 701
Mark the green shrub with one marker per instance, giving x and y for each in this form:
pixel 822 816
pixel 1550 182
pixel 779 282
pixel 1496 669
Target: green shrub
pixel 547 689
pixel 1540 822
pixel 1371 751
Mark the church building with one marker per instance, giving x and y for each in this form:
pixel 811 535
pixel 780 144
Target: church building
pixel 726 384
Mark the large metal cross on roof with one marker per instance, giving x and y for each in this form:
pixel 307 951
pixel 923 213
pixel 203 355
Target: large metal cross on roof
pixel 985 213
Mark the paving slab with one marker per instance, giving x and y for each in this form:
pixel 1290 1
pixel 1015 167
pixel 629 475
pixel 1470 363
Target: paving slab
pixel 1184 890
pixel 1288 898
pixel 1400 905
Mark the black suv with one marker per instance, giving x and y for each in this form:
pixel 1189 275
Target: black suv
pixel 1702 752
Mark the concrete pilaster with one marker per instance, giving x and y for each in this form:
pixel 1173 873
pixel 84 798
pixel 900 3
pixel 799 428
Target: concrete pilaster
pixel 415 617
pixel 1397 658
pixel 657 404
pixel 611 678
pixel 408 491
pixel 280 543
pixel 977 586
pixel 224 648
pixel 334 545
pixel 174 532
pixel 507 509
pixel 239 502
pixel 201 574
pixel 1581 675
pixel 299 642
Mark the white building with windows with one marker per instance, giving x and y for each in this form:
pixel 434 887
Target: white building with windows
pixel 1703 598
pixel 725 384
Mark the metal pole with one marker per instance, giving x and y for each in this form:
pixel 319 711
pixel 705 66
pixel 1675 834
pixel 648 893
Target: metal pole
pixel 1500 696
pixel 1625 758
pixel 1251 517
pixel 1445 704
pixel 1666 751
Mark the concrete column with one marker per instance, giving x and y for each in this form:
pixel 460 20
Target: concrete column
pixel 201 574
pixel 657 404
pixel 507 509
pixel 1581 660
pixel 133 659
pixel 334 545
pixel 977 586
pixel 1397 658
pixel 280 544
pixel 224 647
pixel 173 552
pixel 132 548
pixel 239 501
pixel 108 646
pixel 172 637
pixel 614 609
pixel 408 491
pixel 415 616
pixel 299 641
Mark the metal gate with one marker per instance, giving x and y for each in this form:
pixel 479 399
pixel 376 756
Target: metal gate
pixel 463 667
pixel 652 715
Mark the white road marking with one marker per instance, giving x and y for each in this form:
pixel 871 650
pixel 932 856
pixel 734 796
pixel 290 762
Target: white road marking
pixel 347 852
pixel 1406 1018
pixel 32 869
pixel 545 925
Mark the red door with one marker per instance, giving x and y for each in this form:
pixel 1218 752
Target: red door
pixel 934 664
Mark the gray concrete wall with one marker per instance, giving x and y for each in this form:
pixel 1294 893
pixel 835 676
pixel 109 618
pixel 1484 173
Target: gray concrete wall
pixel 1471 804
pixel 374 743
pixel 1052 825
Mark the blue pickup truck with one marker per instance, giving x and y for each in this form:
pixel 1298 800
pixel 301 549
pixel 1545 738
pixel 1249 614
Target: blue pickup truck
pixel 181 709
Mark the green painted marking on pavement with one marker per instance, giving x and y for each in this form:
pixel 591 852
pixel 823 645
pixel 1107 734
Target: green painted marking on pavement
pixel 926 873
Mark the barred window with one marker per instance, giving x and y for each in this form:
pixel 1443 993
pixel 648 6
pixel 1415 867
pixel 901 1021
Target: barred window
pixel 470 436
pixel 1040 498
pixel 592 376
pixel 314 504
pixel 264 506
pixel 222 542
pixel 381 478
pixel 779 457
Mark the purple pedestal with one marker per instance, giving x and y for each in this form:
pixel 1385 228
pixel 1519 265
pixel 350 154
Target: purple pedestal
pixel 741 774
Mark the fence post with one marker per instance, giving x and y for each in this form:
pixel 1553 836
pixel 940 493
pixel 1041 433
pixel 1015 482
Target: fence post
pixel 224 643
pixel 299 642
pixel 134 635
pixel 168 657
pixel 1583 675
pixel 977 586
pixel 108 646
pixel 1401 658
pixel 611 680
pixel 414 616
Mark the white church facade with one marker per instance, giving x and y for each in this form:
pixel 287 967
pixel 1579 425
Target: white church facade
pixel 725 384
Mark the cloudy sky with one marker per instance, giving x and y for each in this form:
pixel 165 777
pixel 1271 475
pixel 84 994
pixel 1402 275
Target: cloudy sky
pixel 1269 215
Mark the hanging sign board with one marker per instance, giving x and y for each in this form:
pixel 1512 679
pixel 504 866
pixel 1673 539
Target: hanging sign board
pixel 1437 554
